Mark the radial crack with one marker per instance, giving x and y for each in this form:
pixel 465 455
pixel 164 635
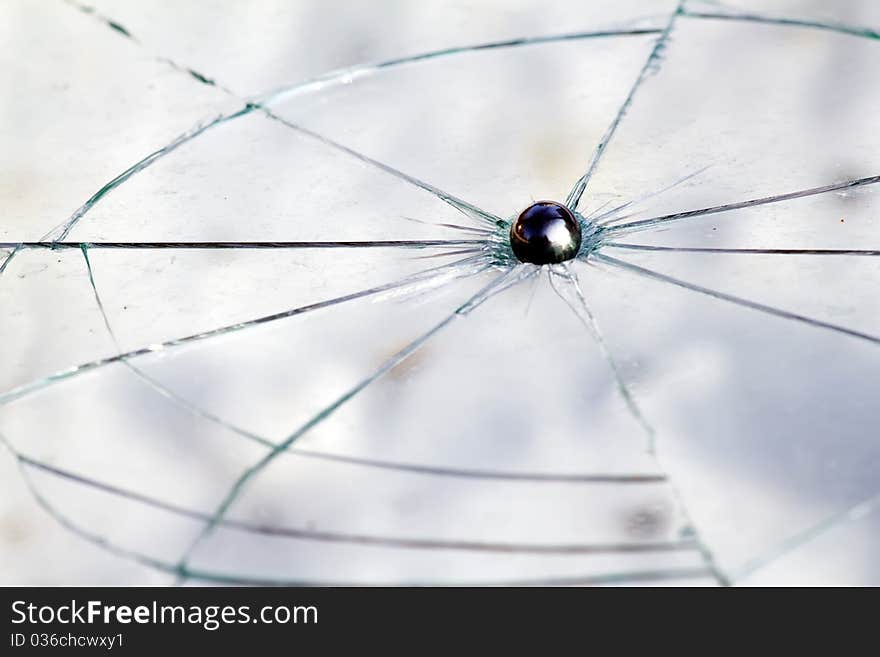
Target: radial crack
pixel 574 298
pixel 420 469
pixel 466 208
pixel 412 244
pixel 644 224
pixel 346 74
pixel 717 250
pixel 427 278
pixel 754 305
pixel 597 218
pixel 499 284
pixel 574 196
pixel 463 206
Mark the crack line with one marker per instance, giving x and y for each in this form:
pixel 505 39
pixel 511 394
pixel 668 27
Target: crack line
pixel 712 249
pixel 604 478
pixel 786 21
pixel 360 539
pixel 428 277
pixel 740 301
pixel 498 285
pixel 850 514
pixel 644 224
pixel 415 244
pixel 574 196
pixel 579 306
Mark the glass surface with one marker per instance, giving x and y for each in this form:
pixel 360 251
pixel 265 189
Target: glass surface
pixel 261 324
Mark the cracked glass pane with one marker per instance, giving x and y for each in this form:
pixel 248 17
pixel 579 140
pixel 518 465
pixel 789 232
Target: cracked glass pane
pixel 305 40
pixel 264 323
pixel 77 115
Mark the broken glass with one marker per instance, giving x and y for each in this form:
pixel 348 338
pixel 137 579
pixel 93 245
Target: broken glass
pixel 263 323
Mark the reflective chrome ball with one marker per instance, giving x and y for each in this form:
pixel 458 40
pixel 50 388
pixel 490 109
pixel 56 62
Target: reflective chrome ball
pixel 545 233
